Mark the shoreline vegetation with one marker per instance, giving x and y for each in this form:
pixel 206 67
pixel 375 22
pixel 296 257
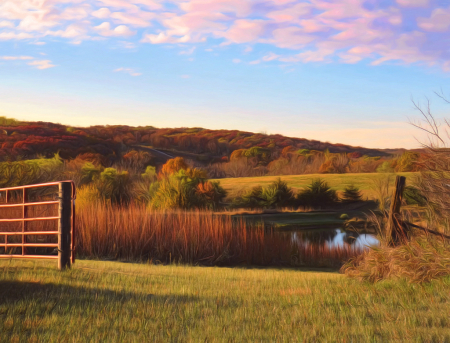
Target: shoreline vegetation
pixel 136 233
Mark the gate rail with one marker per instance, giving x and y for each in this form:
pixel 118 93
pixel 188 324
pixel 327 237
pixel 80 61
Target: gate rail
pixel 66 223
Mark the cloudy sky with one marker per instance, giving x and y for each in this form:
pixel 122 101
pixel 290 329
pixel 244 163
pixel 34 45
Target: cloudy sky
pixel 342 71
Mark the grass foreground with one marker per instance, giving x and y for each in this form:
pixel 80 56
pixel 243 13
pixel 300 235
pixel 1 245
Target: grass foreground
pixel 122 302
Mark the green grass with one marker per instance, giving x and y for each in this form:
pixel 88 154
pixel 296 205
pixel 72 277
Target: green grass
pixel 118 302
pixel 335 181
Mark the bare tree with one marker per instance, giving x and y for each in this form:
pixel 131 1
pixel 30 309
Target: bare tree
pixel 434 180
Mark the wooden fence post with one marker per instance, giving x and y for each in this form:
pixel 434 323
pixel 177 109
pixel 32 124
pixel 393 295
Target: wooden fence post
pixel 64 225
pixel 395 232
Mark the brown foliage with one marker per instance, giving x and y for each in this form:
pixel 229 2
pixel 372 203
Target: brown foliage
pixel 172 166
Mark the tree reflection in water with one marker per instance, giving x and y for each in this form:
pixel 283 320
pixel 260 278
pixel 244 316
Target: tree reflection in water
pixel 330 238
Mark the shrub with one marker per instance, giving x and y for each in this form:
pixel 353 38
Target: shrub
pixel 115 186
pixel 407 162
pixel 335 163
pixel 136 160
pixel 252 199
pixel 89 173
pixel 172 166
pixel 317 194
pixel 210 194
pixel 188 189
pixel 351 194
pixel 30 171
pixel 149 174
pixel 4 121
pixel 276 195
pixel 413 196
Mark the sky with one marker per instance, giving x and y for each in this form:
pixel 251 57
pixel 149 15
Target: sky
pixel 343 71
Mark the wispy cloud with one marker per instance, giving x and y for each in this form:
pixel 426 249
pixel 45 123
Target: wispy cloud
pixel 342 31
pixel 42 64
pixel 189 51
pixel 129 71
pixel 15 58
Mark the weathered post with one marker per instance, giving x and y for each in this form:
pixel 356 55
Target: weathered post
pixel 24 223
pixel 395 232
pixel 64 225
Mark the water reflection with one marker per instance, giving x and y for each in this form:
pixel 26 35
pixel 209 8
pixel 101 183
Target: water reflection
pixel 331 238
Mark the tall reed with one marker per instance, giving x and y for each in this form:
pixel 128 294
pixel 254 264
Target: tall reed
pixel 136 233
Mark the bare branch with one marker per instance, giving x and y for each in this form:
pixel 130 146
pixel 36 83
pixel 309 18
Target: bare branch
pixel 442 96
pixel 429 118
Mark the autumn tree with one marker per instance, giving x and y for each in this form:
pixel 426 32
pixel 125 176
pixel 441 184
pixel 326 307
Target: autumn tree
pixel 172 166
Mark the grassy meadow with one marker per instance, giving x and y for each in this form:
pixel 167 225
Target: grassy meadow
pixel 116 302
pixel 338 182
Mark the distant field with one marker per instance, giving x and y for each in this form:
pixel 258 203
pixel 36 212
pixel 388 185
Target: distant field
pixel 337 181
pixel 123 302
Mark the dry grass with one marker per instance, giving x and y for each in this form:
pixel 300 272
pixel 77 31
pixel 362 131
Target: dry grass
pixel 136 233
pixel 420 260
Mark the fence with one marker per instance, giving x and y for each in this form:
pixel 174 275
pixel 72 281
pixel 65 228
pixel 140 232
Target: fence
pixel 65 221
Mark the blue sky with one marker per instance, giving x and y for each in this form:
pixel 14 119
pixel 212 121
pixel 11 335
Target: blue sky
pixel 340 71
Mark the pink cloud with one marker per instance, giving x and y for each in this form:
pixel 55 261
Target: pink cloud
pixel 340 9
pixel 313 25
pixel 291 14
pixel 270 57
pixel 345 31
pixel 129 71
pixel 138 19
pixel 243 31
pixel 102 13
pixel 71 31
pixel 6 23
pixel 13 35
pixel 44 64
pixel 163 38
pixel 413 3
pixel 291 37
pixel 15 58
pixel 439 21
pixel 104 29
pixel 240 7
pixel 199 23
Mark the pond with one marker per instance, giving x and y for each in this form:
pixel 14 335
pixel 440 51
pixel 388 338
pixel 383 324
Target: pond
pixel 331 238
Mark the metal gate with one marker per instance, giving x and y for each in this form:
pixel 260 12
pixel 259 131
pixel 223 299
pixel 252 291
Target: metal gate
pixel 65 247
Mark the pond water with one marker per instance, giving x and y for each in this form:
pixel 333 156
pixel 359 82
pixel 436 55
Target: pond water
pixel 331 238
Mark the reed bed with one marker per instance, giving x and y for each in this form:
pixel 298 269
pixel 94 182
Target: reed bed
pixel 135 233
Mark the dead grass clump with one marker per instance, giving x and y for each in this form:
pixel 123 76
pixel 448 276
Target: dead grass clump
pixel 420 260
